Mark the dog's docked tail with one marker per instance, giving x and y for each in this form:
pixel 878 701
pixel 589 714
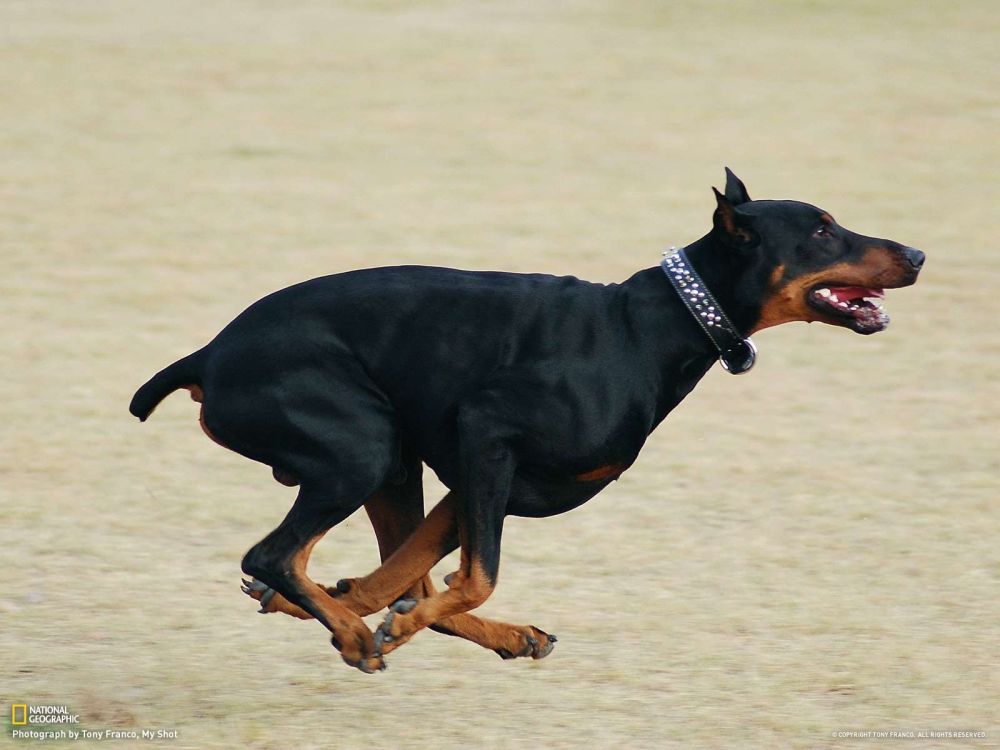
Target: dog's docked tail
pixel 183 372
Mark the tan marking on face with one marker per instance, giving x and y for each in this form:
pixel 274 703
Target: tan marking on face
pixel 787 300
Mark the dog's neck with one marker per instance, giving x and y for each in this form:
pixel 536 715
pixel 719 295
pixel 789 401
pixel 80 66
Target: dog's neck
pixel 732 280
pixel 737 353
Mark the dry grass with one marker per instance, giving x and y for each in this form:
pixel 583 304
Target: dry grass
pixel 808 549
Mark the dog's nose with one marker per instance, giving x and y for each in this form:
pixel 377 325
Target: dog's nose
pixel 914 257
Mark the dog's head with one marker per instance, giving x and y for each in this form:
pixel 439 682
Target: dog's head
pixel 805 266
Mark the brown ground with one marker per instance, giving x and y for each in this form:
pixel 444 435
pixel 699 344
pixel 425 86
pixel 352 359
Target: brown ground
pixel 808 549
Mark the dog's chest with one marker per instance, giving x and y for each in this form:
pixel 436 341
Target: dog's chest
pixel 537 497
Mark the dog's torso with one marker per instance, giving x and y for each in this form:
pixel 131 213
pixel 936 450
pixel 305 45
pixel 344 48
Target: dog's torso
pixel 585 373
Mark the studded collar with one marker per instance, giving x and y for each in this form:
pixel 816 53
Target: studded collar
pixel 736 353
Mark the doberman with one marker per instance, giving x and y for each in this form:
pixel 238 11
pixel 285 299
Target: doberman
pixel 526 395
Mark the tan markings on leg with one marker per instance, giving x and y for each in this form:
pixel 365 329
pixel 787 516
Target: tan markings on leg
pixel 278 603
pixel 507 639
pixel 601 472
pixel 393 520
pixel 393 525
pixel 515 640
pixel 407 565
pixel 355 641
pixel 469 587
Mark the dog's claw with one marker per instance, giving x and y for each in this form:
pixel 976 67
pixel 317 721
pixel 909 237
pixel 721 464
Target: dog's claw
pixel 402 606
pixel 382 634
pixel 541 653
pixel 380 638
pixel 254 586
pixel 266 598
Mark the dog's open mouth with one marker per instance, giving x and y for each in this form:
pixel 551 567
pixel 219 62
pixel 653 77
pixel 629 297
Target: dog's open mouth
pixel 857 307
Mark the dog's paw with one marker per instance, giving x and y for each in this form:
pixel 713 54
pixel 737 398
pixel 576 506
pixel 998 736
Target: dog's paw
pixel 371 665
pixel 271 601
pixel 536 643
pixel 260 592
pixel 357 659
pixel 389 635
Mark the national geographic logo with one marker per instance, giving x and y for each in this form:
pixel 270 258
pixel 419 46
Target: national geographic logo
pixel 24 714
pixel 55 723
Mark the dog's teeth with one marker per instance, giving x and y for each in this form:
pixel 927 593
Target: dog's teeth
pixel 823 292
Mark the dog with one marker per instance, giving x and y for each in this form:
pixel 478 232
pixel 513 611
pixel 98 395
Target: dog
pixel 526 394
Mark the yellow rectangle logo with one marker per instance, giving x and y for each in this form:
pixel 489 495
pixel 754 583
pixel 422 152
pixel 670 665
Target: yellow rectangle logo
pixel 24 714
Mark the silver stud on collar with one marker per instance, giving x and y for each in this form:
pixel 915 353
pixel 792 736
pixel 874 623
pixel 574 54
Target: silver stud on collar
pixel 736 354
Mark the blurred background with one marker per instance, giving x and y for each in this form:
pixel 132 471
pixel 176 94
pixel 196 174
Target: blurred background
pixel 806 550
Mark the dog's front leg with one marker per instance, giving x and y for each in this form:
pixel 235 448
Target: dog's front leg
pixel 487 467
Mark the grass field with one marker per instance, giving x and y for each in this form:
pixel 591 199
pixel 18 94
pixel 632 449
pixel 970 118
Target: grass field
pixel 807 550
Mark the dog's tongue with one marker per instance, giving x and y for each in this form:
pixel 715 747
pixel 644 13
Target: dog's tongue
pixel 857 292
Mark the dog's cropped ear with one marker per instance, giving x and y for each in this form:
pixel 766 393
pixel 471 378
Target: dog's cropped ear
pixel 736 191
pixel 730 226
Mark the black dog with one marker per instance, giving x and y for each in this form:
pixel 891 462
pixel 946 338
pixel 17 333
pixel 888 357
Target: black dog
pixel 526 394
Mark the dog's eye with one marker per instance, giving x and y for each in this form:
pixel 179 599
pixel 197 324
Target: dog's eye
pixel 822 231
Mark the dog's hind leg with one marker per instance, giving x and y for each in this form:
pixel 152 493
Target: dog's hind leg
pixel 280 559
pixel 396 512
